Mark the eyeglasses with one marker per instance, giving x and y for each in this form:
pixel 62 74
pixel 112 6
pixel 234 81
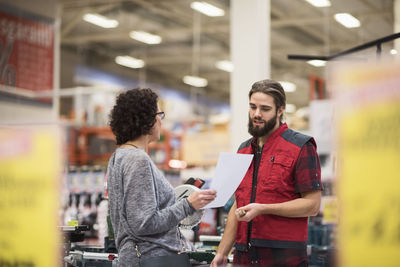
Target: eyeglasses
pixel 161 114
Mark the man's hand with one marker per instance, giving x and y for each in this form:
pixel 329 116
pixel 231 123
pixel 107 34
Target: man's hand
pixel 219 260
pixel 307 205
pixel 248 212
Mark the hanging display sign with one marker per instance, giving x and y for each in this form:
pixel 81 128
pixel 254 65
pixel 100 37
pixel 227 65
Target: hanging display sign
pixel 26 50
pixel 368 115
pixel 30 170
pixel 321 119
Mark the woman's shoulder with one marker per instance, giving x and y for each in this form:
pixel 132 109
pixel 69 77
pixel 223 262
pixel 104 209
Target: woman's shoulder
pixel 132 155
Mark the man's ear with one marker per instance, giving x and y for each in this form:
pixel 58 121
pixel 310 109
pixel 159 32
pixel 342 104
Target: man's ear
pixel 281 110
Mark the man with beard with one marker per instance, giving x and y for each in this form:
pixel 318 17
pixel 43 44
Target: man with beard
pixel 268 222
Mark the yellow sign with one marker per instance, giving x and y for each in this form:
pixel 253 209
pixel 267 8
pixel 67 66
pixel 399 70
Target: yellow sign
pixel 73 223
pixel 30 168
pixel 369 165
pixel 330 214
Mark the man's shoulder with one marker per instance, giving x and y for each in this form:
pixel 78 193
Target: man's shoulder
pixel 245 144
pixel 296 138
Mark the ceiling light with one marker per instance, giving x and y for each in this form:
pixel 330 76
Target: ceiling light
pixel 145 37
pixel 177 164
pixel 319 3
pixel 288 86
pixel 290 108
pixel 129 62
pixel 224 65
pixel 207 9
pixel 317 63
pixel 347 20
pixel 100 20
pixel 393 52
pixel 195 81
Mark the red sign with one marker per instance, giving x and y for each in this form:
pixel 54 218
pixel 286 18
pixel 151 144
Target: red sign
pixel 26 50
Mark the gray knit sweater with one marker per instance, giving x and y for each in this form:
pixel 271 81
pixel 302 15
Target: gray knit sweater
pixel 143 208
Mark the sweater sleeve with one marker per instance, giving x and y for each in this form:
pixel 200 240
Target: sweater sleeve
pixel 144 217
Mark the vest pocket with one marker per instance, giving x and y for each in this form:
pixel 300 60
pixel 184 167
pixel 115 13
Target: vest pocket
pixel 279 171
pixel 282 160
pixel 281 167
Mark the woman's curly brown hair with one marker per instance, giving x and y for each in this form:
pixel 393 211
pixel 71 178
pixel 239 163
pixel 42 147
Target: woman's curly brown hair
pixel 133 114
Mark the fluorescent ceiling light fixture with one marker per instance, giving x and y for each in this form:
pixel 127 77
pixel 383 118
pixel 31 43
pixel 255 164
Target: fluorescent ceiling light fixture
pixel 288 86
pixel 317 63
pixel 347 20
pixel 224 65
pixel 207 9
pixel 129 62
pixel 195 81
pixel 145 37
pixel 290 108
pixel 100 20
pixel 393 52
pixel 319 3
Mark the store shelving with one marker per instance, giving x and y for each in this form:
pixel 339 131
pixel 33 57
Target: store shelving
pixel 95 145
pixel 90 145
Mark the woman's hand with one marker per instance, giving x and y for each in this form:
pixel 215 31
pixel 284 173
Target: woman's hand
pixel 201 198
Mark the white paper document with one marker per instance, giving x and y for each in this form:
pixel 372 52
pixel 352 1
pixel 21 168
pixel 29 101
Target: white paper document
pixel 231 168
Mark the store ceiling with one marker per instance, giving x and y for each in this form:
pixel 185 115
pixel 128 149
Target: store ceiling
pixel 296 28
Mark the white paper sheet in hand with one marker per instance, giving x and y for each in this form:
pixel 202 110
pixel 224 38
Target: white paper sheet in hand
pixel 231 168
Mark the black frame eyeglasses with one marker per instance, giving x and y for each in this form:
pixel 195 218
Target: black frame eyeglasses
pixel 161 114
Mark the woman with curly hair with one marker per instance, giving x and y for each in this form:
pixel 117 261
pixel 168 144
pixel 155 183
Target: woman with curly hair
pixel 144 212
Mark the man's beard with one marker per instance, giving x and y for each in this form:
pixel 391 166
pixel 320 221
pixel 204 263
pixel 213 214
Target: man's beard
pixel 258 131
